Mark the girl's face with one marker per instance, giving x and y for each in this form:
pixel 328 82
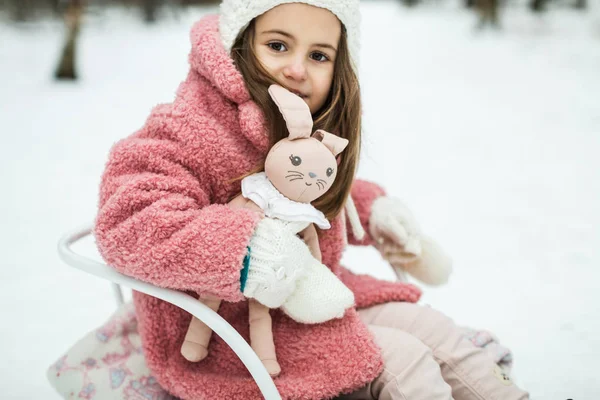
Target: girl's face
pixel 297 44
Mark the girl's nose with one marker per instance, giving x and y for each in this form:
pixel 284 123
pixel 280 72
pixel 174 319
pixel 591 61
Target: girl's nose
pixel 312 175
pixel 296 70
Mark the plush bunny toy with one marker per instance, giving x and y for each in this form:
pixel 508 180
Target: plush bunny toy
pixel 298 170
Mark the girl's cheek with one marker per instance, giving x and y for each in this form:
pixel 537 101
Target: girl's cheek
pixel 271 65
pixel 265 58
pixel 324 75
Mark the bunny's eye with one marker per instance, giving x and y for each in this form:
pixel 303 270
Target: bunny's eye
pixel 295 160
pixel 329 172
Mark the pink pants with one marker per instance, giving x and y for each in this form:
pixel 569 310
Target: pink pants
pixel 427 357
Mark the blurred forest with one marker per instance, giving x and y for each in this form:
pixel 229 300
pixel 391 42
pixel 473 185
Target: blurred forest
pixel 152 11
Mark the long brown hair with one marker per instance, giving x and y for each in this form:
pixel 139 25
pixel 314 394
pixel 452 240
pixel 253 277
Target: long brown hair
pixel 340 115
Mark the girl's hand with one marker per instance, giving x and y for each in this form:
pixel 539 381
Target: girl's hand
pixel 282 272
pixel 432 266
pixel 277 259
pixel 401 243
pixel 394 229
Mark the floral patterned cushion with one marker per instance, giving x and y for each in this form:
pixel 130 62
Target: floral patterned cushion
pixel 107 363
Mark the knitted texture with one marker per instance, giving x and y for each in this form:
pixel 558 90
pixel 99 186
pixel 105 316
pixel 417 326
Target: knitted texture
pixel 235 15
pixel 277 259
pixel 391 219
pixel 319 296
pixel 432 266
pixel 402 244
pixel 163 218
pixel 283 273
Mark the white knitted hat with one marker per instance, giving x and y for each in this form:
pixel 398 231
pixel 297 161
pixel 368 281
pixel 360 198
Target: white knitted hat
pixel 235 16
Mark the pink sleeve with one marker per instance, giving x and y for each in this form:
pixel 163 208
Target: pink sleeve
pixel 156 222
pixel 363 194
pixel 369 291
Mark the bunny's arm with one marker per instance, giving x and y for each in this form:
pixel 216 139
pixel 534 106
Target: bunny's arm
pixel 241 202
pixel 308 234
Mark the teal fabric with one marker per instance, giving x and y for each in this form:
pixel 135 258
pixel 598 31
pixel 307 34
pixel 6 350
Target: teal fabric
pixel 244 274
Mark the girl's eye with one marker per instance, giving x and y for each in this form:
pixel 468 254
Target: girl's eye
pixel 277 46
pixel 329 172
pixel 295 160
pixel 320 57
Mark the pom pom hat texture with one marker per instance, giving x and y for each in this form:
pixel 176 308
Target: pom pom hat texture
pixel 235 15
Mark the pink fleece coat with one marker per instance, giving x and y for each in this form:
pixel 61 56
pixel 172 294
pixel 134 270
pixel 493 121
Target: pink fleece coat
pixel 163 219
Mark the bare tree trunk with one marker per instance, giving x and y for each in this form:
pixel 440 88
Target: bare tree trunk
pixel 66 66
pixel 150 7
pixel 488 12
pixel 21 10
pixel 410 3
pixel 55 6
pixel 537 5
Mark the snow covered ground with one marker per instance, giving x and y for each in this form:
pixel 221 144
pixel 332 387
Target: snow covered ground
pixel 492 138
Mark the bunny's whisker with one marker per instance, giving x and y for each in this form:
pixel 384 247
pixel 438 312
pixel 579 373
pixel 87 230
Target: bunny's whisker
pixel 297 172
pixel 295 179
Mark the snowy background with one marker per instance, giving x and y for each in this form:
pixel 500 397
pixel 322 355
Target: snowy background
pixel 492 138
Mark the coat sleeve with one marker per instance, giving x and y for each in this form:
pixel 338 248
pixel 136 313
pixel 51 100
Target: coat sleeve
pixel 364 193
pixel 369 291
pixel 156 221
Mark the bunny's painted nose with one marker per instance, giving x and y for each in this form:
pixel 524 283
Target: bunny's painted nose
pixel 312 175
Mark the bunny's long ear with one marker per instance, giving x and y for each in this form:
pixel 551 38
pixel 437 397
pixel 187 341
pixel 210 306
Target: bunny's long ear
pixel 334 143
pixel 294 110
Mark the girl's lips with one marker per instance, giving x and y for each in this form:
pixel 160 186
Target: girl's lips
pixel 300 94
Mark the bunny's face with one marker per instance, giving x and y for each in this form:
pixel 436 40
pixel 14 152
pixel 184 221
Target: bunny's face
pixel 301 169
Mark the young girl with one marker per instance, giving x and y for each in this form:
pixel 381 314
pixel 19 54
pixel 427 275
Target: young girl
pixel 164 219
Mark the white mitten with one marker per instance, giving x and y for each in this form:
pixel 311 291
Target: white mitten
pixel 398 237
pixel 278 258
pixel 432 266
pixel 319 296
pixel 392 224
